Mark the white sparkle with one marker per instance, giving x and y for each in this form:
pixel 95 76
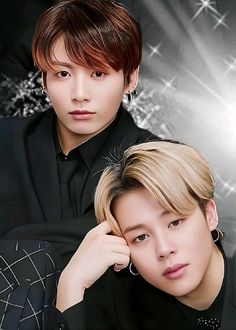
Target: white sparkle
pixel 231 65
pixel 205 5
pixel 226 187
pixel 155 50
pixel 168 84
pixel 220 21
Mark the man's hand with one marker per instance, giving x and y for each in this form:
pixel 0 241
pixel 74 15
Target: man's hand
pixel 97 252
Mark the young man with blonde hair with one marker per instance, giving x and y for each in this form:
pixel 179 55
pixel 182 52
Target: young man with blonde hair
pixel 157 218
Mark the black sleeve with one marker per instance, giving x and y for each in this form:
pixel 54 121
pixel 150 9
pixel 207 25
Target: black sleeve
pixel 102 308
pixel 28 280
pixel 71 319
pixel 64 236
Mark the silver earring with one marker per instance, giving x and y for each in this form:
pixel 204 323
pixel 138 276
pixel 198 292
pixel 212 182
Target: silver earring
pixel 131 271
pixel 219 236
pixel 44 92
pixel 131 95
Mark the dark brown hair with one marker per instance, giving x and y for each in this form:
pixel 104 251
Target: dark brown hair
pixel 96 33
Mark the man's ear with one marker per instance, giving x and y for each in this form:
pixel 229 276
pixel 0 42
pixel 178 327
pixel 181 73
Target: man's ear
pixel 133 81
pixel 211 215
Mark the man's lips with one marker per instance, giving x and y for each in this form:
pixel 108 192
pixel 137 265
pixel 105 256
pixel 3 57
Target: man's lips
pixel 175 271
pixel 81 114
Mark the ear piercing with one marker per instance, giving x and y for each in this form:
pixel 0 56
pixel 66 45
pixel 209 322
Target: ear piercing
pixel 131 95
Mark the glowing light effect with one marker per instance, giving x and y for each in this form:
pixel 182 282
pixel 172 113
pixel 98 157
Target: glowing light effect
pixel 231 66
pixel 220 21
pixel 226 187
pixel 205 5
pixel 155 50
pixel 168 84
pixel 200 96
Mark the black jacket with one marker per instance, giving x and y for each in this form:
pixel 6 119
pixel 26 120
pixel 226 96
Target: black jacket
pixel 28 276
pixel 29 190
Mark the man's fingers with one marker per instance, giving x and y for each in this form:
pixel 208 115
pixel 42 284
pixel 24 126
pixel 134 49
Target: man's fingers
pixel 105 227
pixel 118 267
pixel 102 228
pixel 122 261
pixel 112 239
pixel 118 248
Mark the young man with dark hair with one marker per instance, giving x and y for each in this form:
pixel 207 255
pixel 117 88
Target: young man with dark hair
pixel 89 54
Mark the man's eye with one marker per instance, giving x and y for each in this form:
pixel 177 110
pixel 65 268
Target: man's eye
pixel 98 74
pixel 141 238
pixel 175 223
pixel 62 74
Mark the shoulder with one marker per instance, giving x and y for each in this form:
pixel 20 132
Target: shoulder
pixel 145 135
pixel 132 128
pixel 14 125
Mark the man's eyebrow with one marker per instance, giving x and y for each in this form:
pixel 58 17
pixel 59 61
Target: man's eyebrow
pixel 65 64
pixel 131 228
pixel 141 225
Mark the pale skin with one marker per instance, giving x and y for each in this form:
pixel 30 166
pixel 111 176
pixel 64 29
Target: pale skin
pixel 103 250
pixel 155 239
pixel 94 94
pixel 159 239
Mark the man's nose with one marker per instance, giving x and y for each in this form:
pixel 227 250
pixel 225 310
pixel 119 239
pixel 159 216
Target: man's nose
pixel 164 248
pixel 80 90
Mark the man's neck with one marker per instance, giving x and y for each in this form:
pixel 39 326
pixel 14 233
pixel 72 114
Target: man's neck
pixel 207 291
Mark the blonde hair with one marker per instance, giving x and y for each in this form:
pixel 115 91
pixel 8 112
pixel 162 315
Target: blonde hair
pixel 178 177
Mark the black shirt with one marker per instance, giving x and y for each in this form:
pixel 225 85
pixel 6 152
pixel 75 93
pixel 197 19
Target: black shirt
pixel 74 169
pixel 209 318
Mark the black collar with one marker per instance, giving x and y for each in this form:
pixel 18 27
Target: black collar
pixel 89 149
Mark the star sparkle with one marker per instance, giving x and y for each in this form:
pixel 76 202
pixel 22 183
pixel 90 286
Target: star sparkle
pixel 167 84
pixel 226 187
pixel 231 65
pixel 154 50
pixel 205 5
pixel 220 21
